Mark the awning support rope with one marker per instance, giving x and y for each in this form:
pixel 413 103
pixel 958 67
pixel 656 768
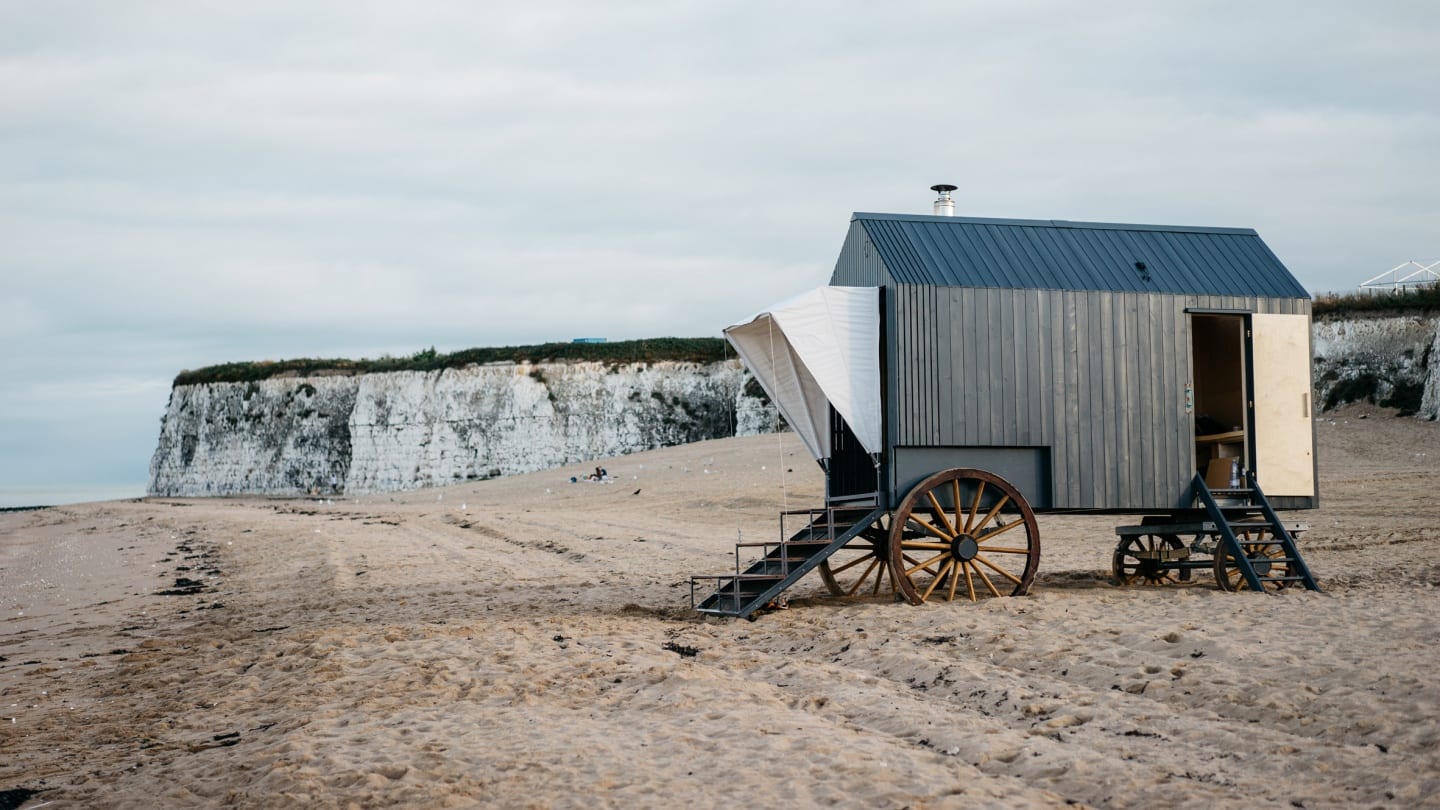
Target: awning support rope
pixel 779 439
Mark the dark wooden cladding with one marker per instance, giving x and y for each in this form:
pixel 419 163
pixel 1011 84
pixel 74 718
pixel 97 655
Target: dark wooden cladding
pixel 1098 377
pixel 859 264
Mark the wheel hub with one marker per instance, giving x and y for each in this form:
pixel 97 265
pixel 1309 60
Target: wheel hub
pixel 964 548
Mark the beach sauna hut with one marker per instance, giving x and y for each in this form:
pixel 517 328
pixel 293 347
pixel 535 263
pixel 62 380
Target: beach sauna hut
pixel 958 375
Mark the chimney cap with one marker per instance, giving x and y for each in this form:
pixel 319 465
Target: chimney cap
pixel 944 205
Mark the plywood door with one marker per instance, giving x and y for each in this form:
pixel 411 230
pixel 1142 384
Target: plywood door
pixel 1284 430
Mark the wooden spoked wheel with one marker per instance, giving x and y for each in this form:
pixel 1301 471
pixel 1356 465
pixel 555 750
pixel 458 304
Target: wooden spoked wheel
pixel 1142 560
pixel 964 533
pixel 862 567
pixel 1266 556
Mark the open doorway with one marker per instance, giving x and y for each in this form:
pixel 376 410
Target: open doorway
pixel 1221 418
pixel 850 474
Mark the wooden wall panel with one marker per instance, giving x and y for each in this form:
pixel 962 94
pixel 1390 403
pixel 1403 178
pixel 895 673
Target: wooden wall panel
pixel 1097 377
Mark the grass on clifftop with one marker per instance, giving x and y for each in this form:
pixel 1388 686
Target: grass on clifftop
pixel 684 350
pixel 690 350
pixel 1420 299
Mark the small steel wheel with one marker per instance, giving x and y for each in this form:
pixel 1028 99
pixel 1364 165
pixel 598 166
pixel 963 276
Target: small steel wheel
pixel 963 532
pixel 1141 560
pixel 862 567
pixel 1266 556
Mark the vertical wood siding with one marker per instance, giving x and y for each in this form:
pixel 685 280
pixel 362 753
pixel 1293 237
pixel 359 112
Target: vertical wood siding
pixel 1098 377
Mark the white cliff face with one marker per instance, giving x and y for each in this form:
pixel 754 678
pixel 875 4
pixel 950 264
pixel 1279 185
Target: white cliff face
pixel 1430 398
pixel 403 430
pixel 1391 360
pixel 278 436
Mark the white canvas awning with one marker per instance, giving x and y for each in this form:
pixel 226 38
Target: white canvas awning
pixel 819 349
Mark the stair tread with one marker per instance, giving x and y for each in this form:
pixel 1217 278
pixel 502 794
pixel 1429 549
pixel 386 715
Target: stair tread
pixel 783 563
pixel 1229 525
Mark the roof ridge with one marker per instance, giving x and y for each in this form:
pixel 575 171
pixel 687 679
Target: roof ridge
pixel 1054 223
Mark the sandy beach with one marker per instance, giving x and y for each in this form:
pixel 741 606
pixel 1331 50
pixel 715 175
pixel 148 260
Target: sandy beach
pixel 529 642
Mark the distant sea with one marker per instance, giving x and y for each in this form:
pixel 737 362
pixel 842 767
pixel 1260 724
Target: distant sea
pixel 16 497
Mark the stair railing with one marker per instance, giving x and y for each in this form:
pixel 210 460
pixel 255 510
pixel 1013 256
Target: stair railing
pixel 1287 542
pixel 1227 535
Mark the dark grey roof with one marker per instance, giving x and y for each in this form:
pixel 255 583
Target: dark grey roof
pixel 1059 255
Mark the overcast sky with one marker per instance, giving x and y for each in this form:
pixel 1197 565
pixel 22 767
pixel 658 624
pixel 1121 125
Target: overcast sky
pixel 189 183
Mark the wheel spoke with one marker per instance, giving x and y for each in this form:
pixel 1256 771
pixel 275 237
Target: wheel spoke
pixel 985 579
pixel 925 545
pixel 880 577
pixel 993 510
pixel 926 565
pixel 997 569
pixel 1150 560
pixel 874 561
pixel 954 580
pixel 974 505
pixel 916 565
pixel 909 560
pixel 868 555
pixel 969 581
pixel 959 507
pixel 1005 528
pixel 847 566
pixel 1004 550
pixel 936 581
pixel 939 512
pixel 926 527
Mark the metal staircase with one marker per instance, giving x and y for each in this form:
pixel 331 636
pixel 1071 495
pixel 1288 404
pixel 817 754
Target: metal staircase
pixel 782 564
pixel 1252 538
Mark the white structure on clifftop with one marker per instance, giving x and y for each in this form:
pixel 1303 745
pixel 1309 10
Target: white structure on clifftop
pixel 1416 275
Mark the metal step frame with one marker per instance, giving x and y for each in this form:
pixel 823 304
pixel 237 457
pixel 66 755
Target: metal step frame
pixel 784 563
pixel 1225 528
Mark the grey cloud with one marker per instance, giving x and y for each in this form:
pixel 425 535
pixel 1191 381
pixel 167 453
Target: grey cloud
pixel 205 182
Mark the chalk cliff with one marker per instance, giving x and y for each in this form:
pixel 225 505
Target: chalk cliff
pixel 1391 360
pixel 409 429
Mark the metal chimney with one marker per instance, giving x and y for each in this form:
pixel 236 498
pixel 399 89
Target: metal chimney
pixel 944 206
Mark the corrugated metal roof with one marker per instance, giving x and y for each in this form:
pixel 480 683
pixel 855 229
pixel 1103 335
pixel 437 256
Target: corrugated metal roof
pixel 1060 255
